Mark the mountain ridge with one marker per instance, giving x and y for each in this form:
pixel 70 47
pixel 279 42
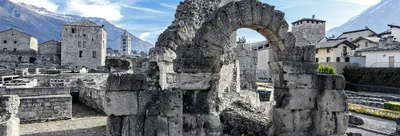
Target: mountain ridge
pixel 377 17
pixel 46 25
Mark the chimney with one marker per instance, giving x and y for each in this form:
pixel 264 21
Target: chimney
pixel 382 42
pixel 313 16
pixel 390 40
pixel 366 27
pixel 333 36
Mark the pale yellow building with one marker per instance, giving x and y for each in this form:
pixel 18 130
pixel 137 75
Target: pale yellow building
pixel 337 50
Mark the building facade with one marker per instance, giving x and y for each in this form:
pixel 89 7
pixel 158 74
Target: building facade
pixel 50 51
pixel 353 35
pixel 16 40
pixel 386 54
pixel 309 29
pixel 125 44
pixel 83 45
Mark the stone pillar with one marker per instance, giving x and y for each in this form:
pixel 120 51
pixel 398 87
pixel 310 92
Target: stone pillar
pixel 9 122
pixel 306 103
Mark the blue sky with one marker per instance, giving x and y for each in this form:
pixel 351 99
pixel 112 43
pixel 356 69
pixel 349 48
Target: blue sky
pixel 146 19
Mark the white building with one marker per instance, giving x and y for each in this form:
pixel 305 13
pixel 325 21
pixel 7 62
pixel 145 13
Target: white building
pixel 387 54
pixel 352 35
pixel 125 44
pixel 393 31
pixel 16 40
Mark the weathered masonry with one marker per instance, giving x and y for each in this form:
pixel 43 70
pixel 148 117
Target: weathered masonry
pixel 9 122
pixel 193 84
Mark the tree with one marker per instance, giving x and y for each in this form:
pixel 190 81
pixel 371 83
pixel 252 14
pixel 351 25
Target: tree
pixel 242 40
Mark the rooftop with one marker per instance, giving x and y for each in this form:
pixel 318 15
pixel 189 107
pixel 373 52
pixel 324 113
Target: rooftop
pixel 387 47
pixel 393 26
pixel 334 43
pixel 308 19
pixel 371 39
pixel 83 23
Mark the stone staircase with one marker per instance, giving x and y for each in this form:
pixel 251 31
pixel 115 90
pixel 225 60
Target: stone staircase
pixel 370 99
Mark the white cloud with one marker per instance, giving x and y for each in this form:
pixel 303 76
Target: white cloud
pixel 143 9
pixel 144 36
pixel 50 6
pixel 94 8
pixel 361 2
pixel 171 6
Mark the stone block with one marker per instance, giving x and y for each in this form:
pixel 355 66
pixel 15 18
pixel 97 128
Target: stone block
pixel 283 120
pixel 126 82
pixel 342 121
pixel 295 67
pixel 156 126
pixel 296 54
pixel 199 81
pixel 175 126
pixel 202 124
pixel 8 107
pixel 304 81
pixel 332 101
pixel 245 11
pixel 198 102
pixel 197 65
pixel 121 103
pixel 324 123
pixel 165 104
pixel 132 125
pixel 10 127
pixel 331 82
pixel 301 99
pixel 114 125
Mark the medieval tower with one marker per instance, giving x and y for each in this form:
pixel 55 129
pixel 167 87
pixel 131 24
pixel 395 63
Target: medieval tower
pixel 125 44
pixel 83 44
pixel 309 30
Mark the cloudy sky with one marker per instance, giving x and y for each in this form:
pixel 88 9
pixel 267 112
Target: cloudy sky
pixel 146 19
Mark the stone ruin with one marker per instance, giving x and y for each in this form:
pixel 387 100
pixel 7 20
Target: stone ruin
pixel 9 122
pixel 192 87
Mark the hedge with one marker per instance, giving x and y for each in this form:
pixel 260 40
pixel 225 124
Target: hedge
pixel 389 77
pixel 394 106
pixel 374 111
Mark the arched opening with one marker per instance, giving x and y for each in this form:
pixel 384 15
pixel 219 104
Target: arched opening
pixel 253 54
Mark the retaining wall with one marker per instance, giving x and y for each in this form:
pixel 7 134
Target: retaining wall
pixel 93 97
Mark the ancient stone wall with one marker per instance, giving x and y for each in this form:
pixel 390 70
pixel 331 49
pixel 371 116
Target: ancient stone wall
pixel 93 97
pixel 206 82
pixel 45 108
pixel 39 104
pixel 9 122
pixel 248 60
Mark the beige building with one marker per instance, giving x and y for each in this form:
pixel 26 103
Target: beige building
pixel 84 44
pixel 125 44
pixel 352 35
pixel 16 40
pixel 365 42
pixel 335 53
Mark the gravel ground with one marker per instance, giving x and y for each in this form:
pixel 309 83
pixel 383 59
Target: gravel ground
pixel 374 126
pixel 85 122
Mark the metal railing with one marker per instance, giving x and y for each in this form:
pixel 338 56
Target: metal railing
pixel 385 64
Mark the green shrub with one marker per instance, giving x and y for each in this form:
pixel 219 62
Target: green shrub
pixel 322 69
pixel 394 106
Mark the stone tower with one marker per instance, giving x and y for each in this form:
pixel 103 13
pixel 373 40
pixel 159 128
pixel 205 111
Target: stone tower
pixel 83 44
pixel 309 30
pixel 125 45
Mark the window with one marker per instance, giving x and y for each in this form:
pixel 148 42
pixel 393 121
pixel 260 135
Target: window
pixel 15 42
pixel 328 50
pixel 15 49
pixel 347 59
pixel 94 54
pixel 328 59
pixel 80 54
pixel 316 60
pixel 5 49
pixel 358 45
pixel 337 59
pixel 79 44
pixel 123 46
pixel 73 30
pixel 5 41
pixel 123 50
pixel 84 44
pixel 366 44
pixel 124 43
pixel 344 49
pixel 124 40
pixel 316 52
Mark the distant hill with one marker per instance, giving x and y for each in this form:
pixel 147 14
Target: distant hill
pixel 46 25
pixel 377 17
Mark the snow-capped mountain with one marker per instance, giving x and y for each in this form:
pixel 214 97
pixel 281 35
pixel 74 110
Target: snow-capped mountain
pixel 377 18
pixel 46 25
